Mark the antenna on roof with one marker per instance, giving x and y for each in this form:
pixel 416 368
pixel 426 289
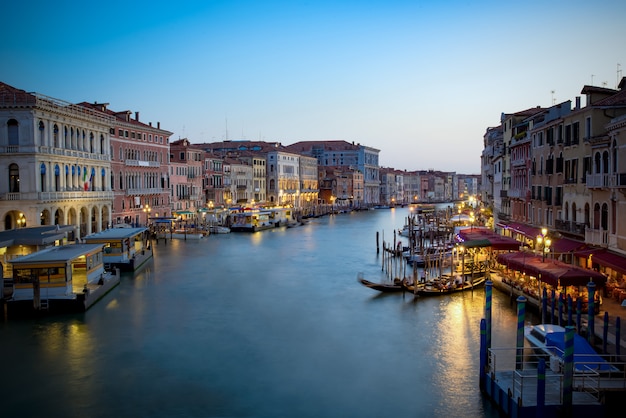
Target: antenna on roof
pixel 619 75
pixel 592 75
pixel 226 120
pixel 553 99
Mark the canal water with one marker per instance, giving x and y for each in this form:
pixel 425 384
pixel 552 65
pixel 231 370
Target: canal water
pixel 270 324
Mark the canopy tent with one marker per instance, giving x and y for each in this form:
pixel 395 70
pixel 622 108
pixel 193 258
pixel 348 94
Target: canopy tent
pixel 551 271
pixel 604 258
pixel 485 237
pixel 461 217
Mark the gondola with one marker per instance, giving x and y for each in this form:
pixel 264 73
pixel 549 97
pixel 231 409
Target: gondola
pixel 396 286
pixel 445 287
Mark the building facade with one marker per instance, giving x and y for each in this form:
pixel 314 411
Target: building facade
pixel 139 168
pixel 57 160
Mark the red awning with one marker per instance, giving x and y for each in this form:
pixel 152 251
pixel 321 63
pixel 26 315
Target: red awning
pixel 495 241
pixel 565 245
pixel 551 271
pixel 604 258
pixel 528 231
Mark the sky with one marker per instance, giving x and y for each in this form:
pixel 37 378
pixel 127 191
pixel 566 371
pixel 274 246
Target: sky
pixel 421 81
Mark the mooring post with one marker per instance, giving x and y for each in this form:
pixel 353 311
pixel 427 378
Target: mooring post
pixel 570 307
pixel 544 306
pixel 618 338
pixel 483 354
pixel 591 312
pixel 579 312
pixel 605 332
pixel 521 315
pixel 541 388
pixel 488 296
pixel 568 372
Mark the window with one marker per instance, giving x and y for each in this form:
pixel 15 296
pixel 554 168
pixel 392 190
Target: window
pixel 14 136
pixel 42 170
pixel 14 178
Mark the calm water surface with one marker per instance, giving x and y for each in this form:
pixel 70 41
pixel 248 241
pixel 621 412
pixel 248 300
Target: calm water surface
pixel 271 324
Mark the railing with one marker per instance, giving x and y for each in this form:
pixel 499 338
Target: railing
pixel 145 191
pixel 23 99
pixel 523 362
pixel 516 193
pixel 32 149
pixel 141 163
pixel 569 226
pixel 616 180
pixel 56 196
pixel 597 237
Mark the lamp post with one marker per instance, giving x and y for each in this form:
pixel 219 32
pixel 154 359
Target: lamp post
pixel 21 221
pixel 544 242
pixel 147 209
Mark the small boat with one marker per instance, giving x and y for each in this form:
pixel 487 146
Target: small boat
pixel 450 284
pixel 396 286
pixel 549 340
pixel 219 229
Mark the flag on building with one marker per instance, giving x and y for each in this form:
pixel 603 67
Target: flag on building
pixel 85 182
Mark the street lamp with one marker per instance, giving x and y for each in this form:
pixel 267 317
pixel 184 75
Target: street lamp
pixel 544 242
pixel 21 221
pixel 147 210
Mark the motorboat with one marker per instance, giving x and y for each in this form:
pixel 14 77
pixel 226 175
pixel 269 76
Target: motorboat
pixel 549 340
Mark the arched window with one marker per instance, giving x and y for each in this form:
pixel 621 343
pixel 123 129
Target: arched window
pixel 596 163
pixel 57 178
pixel 614 156
pixel 42 133
pixel 55 133
pixel 574 212
pixel 596 216
pixel 605 162
pixel 91 144
pixel 567 211
pixel 14 132
pixel 103 179
pixel 605 217
pixel 587 215
pixel 42 171
pixel 66 138
pixel 14 178
pixel 102 144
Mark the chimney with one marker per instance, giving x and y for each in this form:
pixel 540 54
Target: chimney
pixel 150 124
pixel 158 125
pixel 137 116
pixel 577 102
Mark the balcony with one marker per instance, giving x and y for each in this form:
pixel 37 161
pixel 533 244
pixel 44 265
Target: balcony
pixel 35 149
pixel 145 191
pixel 57 196
pixel 597 237
pixel 516 193
pixel 603 181
pixel 141 163
pixel 576 228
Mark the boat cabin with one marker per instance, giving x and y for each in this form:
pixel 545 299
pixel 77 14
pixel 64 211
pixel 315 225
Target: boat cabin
pixel 124 248
pixel 55 273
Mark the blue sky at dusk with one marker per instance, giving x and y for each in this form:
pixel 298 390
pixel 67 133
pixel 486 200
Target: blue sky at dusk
pixel 419 80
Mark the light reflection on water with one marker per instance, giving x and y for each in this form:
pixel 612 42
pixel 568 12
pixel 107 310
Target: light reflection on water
pixel 271 324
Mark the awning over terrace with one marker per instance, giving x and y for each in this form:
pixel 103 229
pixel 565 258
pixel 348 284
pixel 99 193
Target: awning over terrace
pixel 484 237
pixel 550 271
pixel 528 231
pixel 604 258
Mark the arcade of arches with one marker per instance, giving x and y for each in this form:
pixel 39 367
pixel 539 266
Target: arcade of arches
pixel 87 219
